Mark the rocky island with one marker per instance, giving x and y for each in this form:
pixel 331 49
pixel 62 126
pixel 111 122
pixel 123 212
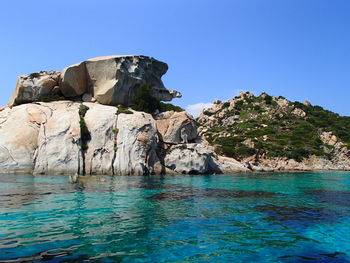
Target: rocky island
pixel 270 133
pixel 104 116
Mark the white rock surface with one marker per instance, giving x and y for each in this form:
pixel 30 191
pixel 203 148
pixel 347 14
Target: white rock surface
pixel 230 165
pixel 190 158
pixel 299 112
pixel 170 124
pixel 101 122
pixel 113 80
pixel 110 80
pixel 73 81
pixel 136 145
pixel 19 129
pixel 328 138
pixel 87 97
pixel 59 146
pixel 45 138
pixel 31 87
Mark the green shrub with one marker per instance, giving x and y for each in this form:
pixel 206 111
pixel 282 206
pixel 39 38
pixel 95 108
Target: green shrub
pixel 244 115
pixel 257 107
pixel 226 104
pixel 249 106
pixel 197 123
pixel 34 75
pixel 51 97
pixel 269 100
pixel 122 109
pixel 169 107
pixel 297 154
pixel 208 113
pixel 248 100
pixel 239 104
pixel 216 129
pixel 232 147
pixel 144 101
pixel 84 131
pixel 82 110
pixel 244 151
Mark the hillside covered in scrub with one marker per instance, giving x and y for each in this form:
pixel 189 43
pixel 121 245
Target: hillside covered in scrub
pixel 269 130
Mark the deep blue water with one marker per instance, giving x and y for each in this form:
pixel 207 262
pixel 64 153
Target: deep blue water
pixel 303 217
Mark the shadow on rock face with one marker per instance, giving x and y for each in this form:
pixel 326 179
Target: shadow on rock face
pixel 195 193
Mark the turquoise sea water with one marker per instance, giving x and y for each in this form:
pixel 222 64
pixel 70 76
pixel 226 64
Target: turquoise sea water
pixel 303 217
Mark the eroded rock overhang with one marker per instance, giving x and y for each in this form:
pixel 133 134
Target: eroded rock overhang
pixel 110 80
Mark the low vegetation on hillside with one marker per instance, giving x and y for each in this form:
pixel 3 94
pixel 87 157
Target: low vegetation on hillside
pixel 275 127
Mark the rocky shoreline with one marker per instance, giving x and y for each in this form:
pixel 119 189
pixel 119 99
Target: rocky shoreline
pixel 79 121
pixel 44 138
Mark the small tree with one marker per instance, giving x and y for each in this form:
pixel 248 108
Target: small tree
pixel 143 100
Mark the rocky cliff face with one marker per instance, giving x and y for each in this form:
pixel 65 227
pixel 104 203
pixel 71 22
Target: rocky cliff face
pixel 267 133
pixel 66 123
pixel 46 138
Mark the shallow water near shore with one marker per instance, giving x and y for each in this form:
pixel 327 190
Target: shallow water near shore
pixel 292 217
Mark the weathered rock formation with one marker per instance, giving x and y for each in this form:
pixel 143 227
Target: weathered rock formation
pixel 58 143
pixel 40 138
pixel 170 124
pixel 45 138
pixel 191 158
pixel 137 143
pixel 108 80
pixel 19 131
pixel 101 122
pixel 35 86
pixel 67 123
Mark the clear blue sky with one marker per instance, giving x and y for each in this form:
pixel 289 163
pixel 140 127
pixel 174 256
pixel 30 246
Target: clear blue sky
pixel 299 49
